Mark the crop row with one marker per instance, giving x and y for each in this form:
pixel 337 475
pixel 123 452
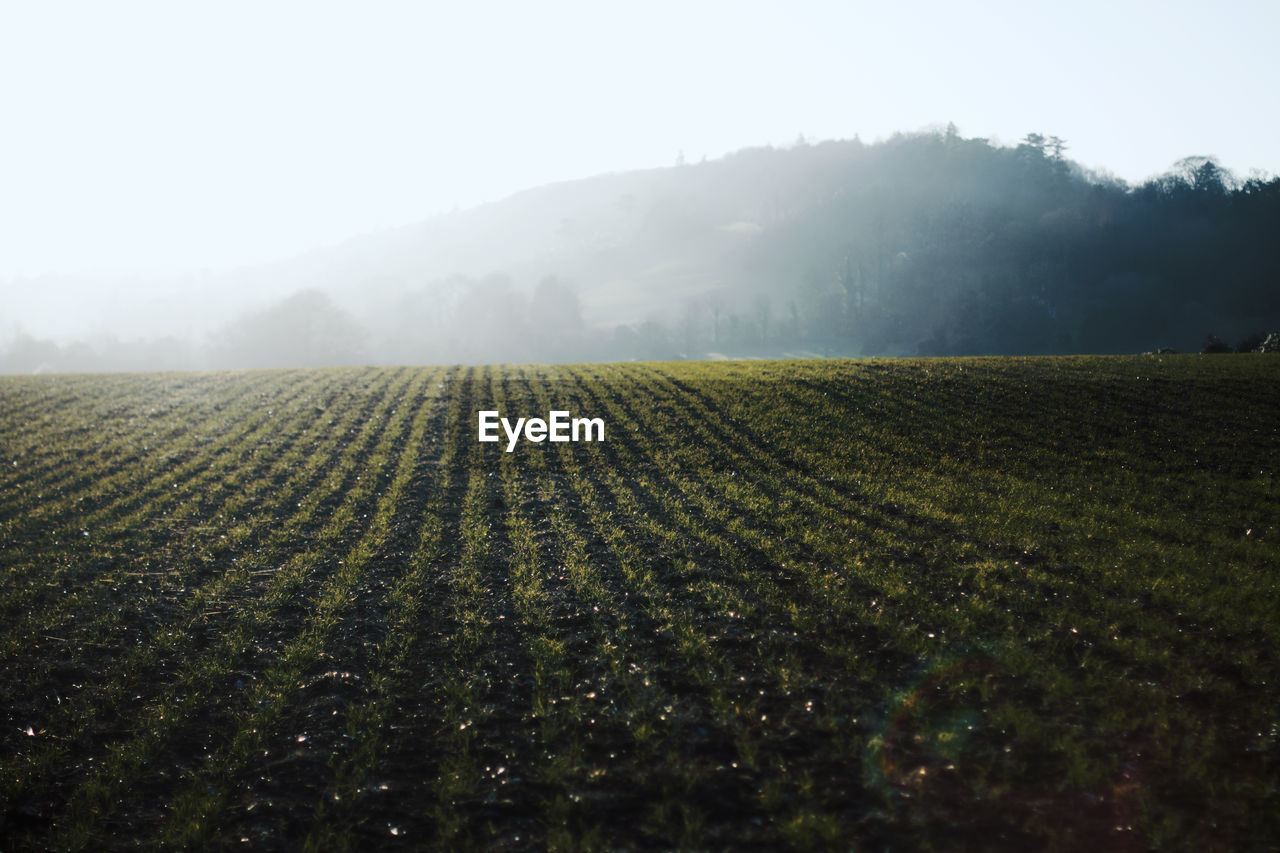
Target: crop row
pixel 952 602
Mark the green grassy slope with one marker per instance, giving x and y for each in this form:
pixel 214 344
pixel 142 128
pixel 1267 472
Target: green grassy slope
pixel 960 603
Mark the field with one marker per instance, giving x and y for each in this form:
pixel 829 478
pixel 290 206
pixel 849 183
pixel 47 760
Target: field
pixel 972 603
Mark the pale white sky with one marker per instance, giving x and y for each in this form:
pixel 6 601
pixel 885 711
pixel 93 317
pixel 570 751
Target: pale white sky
pixel 166 136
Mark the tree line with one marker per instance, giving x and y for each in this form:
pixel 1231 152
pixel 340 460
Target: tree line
pixel 924 244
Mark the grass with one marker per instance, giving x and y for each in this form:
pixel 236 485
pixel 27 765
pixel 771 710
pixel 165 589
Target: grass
pixel 974 603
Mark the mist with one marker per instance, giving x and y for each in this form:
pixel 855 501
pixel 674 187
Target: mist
pixel 924 244
pixel 303 185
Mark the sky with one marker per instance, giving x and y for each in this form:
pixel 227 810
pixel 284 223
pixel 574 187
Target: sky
pixel 162 137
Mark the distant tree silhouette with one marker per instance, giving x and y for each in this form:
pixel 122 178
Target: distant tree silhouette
pixel 27 354
pixel 1034 142
pixel 1251 342
pixel 555 320
pixel 304 329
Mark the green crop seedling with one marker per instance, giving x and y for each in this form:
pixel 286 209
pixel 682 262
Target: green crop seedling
pixel 974 603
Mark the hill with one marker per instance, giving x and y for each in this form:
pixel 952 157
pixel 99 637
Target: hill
pixel 929 244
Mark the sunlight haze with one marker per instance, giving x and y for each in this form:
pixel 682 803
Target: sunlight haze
pixel 151 137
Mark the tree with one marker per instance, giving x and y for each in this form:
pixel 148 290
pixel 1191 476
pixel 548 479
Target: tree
pixel 26 354
pixel 761 309
pixel 1034 141
pixel 555 319
pixel 717 305
pixel 1199 174
pixel 303 330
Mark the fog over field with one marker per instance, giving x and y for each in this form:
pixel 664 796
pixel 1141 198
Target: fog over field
pixel 231 187
pixel 830 425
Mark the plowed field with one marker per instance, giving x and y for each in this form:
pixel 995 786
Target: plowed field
pixel 976 603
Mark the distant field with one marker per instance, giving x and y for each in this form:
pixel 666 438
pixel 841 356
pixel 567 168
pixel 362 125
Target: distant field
pixel 975 603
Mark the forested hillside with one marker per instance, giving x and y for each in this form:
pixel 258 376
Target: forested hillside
pixel 930 244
